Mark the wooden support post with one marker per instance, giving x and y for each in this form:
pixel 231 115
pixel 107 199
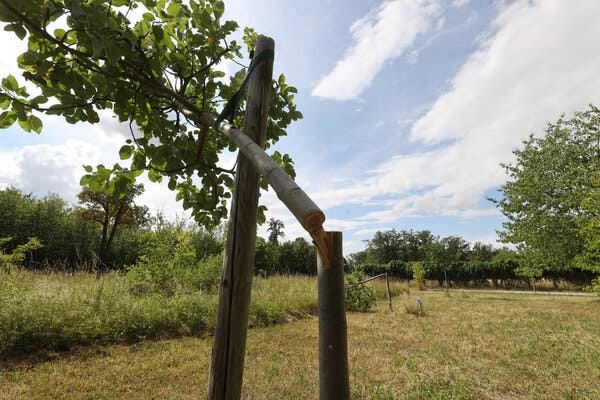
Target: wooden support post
pixel 229 348
pixel 389 293
pixel 333 342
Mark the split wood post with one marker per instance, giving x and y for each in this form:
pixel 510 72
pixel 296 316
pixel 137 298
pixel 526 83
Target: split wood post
pixel 333 343
pixel 389 293
pixel 229 348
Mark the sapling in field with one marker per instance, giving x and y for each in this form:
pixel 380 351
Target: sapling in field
pixel 152 65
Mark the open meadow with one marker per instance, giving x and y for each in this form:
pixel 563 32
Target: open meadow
pixel 466 346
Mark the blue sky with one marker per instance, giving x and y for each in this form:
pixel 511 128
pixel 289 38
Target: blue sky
pixel 409 108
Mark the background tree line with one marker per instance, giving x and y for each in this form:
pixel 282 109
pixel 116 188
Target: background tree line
pixel 100 233
pixel 451 259
pixel 111 232
pixel 74 237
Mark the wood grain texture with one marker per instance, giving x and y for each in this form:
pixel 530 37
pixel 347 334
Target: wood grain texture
pixel 333 341
pixel 227 365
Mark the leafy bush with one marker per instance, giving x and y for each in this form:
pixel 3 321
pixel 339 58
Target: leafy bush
pixel 18 254
pixel 359 297
pixel 419 274
pixel 168 265
pixel 206 275
pixel 291 257
pixel 168 279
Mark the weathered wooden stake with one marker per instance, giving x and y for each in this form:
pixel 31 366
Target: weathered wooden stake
pixel 389 293
pixel 229 348
pixel 333 343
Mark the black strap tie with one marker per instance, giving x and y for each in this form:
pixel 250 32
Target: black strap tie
pixel 228 111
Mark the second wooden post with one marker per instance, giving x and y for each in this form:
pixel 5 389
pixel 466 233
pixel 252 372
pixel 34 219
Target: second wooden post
pixel 333 343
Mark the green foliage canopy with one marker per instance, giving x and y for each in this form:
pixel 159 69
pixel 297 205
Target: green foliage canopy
pixel 386 246
pixel 18 254
pixel 275 230
pixel 111 210
pixel 548 197
pixel 589 258
pixel 66 239
pixel 150 63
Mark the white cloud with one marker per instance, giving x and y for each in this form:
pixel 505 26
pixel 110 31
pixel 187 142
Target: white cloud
pixel 383 35
pixel 535 64
pixel 460 3
pixel 44 168
pixel 56 168
pixel 48 169
pixel 371 231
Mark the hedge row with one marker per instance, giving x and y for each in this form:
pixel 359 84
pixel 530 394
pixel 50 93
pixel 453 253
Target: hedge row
pixel 473 272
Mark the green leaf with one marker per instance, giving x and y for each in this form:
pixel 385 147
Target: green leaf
pixel 39 100
pixel 218 9
pixel 4 102
pixel 85 179
pixel 76 11
pixel 88 168
pixel 158 32
pixel 173 9
pixel 24 124
pixel 154 176
pixel 35 124
pixel 125 152
pixel 60 33
pixel 139 161
pixel 260 216
pixel 10 83
pixel 28 58
pixel 18 29
pixel 7 119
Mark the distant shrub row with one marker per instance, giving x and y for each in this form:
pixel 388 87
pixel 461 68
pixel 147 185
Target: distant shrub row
pixel 497 272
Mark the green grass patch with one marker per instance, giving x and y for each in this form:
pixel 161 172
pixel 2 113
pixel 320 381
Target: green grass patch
pixel 56 311
pixel 506 346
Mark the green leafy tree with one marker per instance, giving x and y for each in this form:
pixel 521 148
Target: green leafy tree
pixel 18 254
pixel 156 71
pixel 384 247
pixel 266 259
pixel 297 257
pixel 275 230
pixel 208 242
pixel 445 257
pixel 482 252
pixel 68 241
pixel 355 260
pixel 396 246
pixel 589 258
pixel 111 210
pixel 544 199
pixel 418 274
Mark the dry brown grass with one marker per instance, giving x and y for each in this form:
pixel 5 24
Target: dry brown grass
pixel 467 346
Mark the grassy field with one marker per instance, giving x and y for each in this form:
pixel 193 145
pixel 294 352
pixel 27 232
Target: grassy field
pixel 55 311
pixel 467 346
